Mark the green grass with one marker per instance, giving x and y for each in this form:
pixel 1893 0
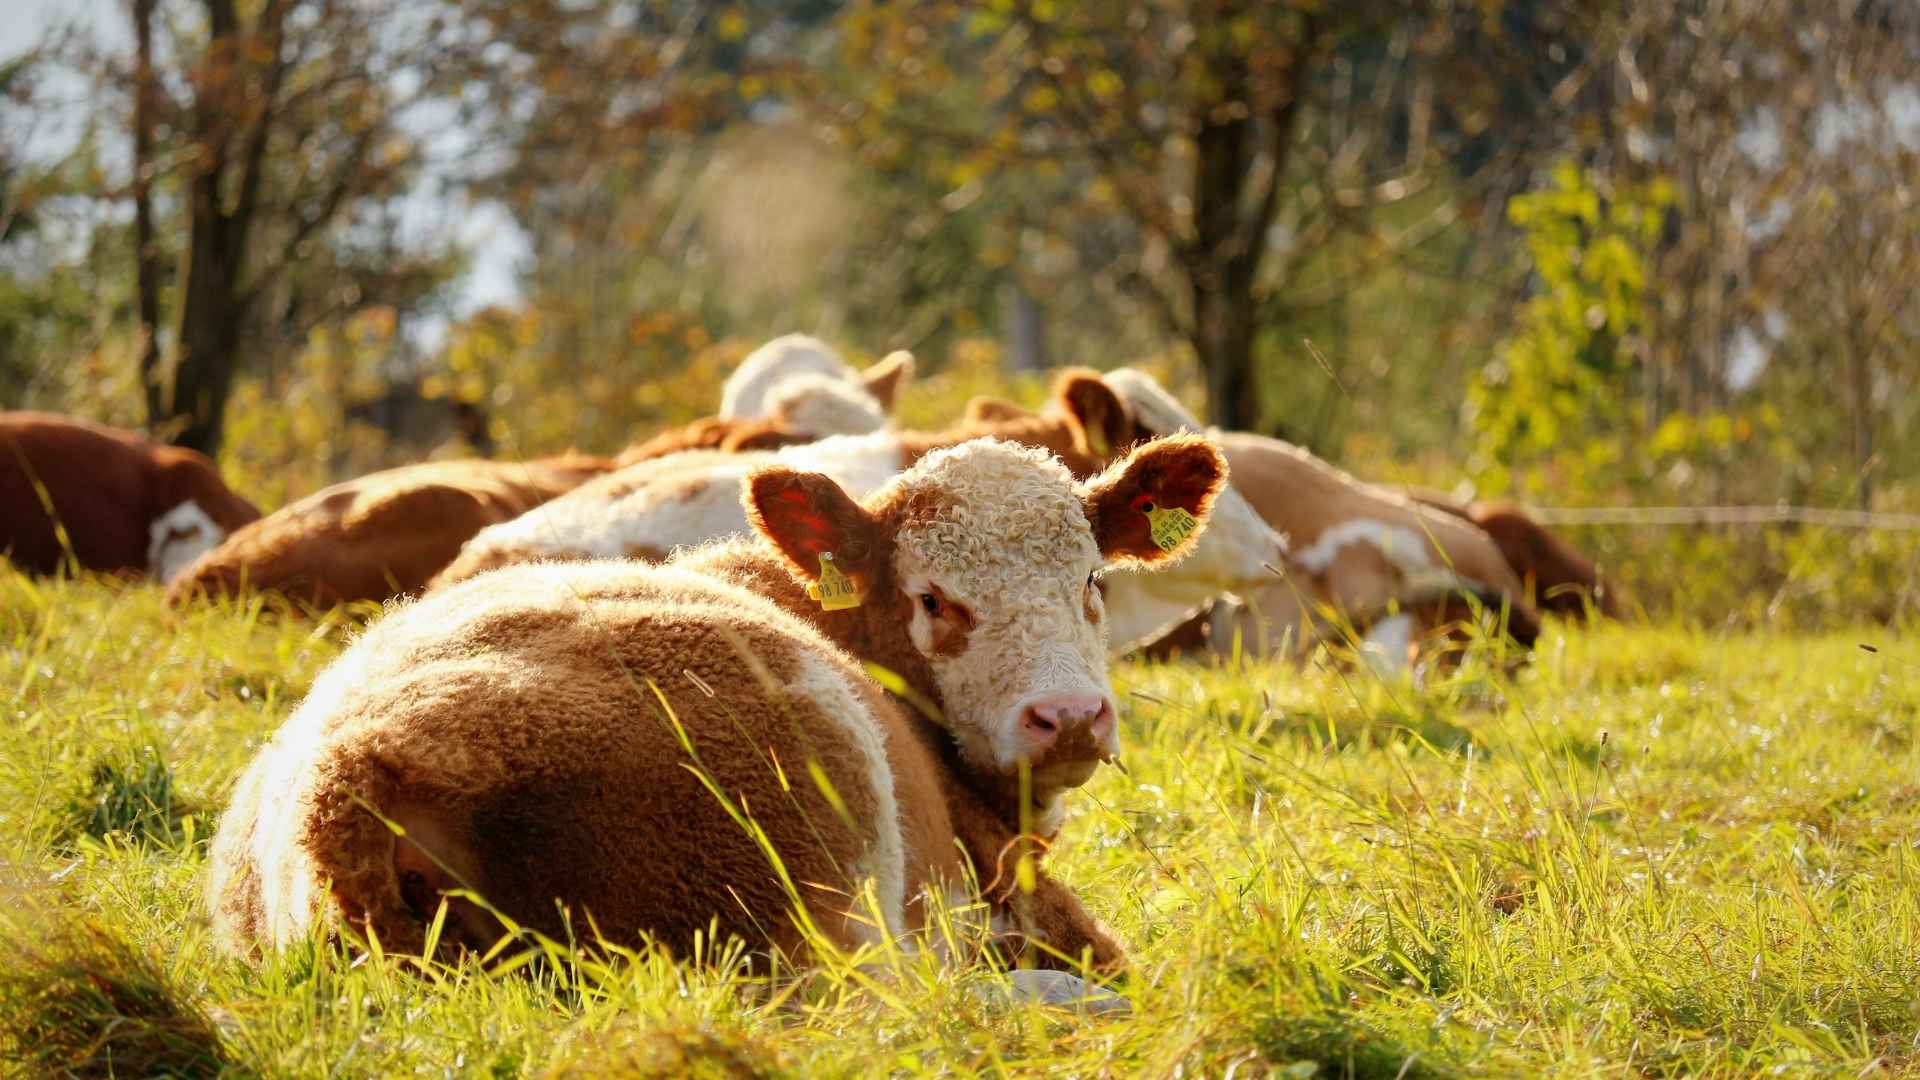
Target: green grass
pixel 1655 850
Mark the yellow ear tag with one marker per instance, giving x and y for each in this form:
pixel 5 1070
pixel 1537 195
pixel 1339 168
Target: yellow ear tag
pixel 1097 442
pixel 1169 525
pixel 835 590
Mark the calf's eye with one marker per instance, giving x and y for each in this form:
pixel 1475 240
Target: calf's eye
pixel 930 602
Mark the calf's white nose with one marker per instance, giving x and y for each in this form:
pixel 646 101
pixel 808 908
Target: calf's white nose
pixel 1076 718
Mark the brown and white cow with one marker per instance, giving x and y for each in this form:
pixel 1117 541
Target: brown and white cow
pixel 798 406
pixel 585 739
pixel 387 533
pixel 125 502
pixel 648 510
pixel 1558 578
pixel 753 390
pixel 1387 565
pixel 377 536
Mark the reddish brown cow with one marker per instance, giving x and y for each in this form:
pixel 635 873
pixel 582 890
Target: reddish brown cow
pixel 379 536
pixel 125 502
pixel 1561 579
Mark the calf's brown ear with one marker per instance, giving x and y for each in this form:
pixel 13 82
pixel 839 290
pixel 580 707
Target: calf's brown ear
pixel 884 379
pixel 982 411
pixel 1102 425
pixel 1151 507
pixel 807 516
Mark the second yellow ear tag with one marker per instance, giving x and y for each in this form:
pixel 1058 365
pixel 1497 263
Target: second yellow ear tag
pixel 1169 525
pixel 835 590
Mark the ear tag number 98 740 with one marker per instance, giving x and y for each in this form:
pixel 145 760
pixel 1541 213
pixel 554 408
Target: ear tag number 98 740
pixel 835 590
pixel 1169 525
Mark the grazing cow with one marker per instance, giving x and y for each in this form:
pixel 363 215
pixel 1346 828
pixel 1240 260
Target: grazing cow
pixel 378 536
pixel 1386 564
pixel 647 510
pixel 800 408
pixel 582 744
pixel 751 392
pixel 125 503
pixel 1560 579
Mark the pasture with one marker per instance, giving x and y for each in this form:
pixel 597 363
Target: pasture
pixel 1654 849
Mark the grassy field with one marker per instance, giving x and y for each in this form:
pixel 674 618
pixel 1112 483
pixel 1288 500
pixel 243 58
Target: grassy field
pixel 1654 850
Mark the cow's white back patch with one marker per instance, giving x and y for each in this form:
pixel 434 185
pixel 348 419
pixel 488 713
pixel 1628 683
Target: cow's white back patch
pixel 178 537
pixel 1404 549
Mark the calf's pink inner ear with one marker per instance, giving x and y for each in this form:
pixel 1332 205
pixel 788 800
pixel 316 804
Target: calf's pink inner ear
pixel 1138 507
pixel 807 515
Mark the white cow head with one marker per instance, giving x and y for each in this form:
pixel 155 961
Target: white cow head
pixel 972 576
pixel 754 390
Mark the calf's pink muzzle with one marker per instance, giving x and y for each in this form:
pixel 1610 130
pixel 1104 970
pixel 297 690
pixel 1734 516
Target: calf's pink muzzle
pixel 1061 728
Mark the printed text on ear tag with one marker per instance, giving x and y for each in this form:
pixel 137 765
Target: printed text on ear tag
pixel 835 590
pixel 1169 525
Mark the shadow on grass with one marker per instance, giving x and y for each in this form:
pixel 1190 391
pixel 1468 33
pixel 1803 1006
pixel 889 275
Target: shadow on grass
pixel 1335 1046
pixel 1341 1046
pixel 702 1052
pixel 133 798
pixel 77 1000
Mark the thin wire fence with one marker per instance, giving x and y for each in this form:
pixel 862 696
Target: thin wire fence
pixel 1672 516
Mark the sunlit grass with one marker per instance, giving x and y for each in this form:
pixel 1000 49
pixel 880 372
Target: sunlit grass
pixel 1653 850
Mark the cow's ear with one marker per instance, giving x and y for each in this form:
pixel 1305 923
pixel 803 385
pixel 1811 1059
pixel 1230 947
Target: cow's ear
pixel 986 411
pixel 1151 507
pixel 812 522
pixel 1102 425
pixel 884 379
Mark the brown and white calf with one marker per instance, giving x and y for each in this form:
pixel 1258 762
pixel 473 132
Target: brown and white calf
pixel 648 510
pixel 125 502
pixel 753 390
pixel 1390 567
pixel 586 739
pixel 798 405
pixel 378 536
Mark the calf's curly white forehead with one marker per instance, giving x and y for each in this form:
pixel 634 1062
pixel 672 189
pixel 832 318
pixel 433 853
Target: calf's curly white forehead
pixel 975 569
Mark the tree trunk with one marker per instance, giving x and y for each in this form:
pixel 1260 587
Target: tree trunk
pixel 146 259
pixel 210 322
pixel 1233 207
pixel 216 295
pixel 1223 340
pixel 1862 380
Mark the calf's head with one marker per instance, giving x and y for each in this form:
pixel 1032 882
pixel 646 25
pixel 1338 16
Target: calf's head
pixel 972 576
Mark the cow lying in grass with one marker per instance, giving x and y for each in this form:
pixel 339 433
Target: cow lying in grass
pixel 125 503
pixel 648 510
pixel 798 404
pixel 381 535
pixel 754 390
pixel 388 533
pixel 1385 564
pixel 589 738
pixel 1557 578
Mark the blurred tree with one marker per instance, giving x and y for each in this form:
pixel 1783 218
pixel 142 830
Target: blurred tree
pixel 258 130
pixel 1790 136
pixel 1208 154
